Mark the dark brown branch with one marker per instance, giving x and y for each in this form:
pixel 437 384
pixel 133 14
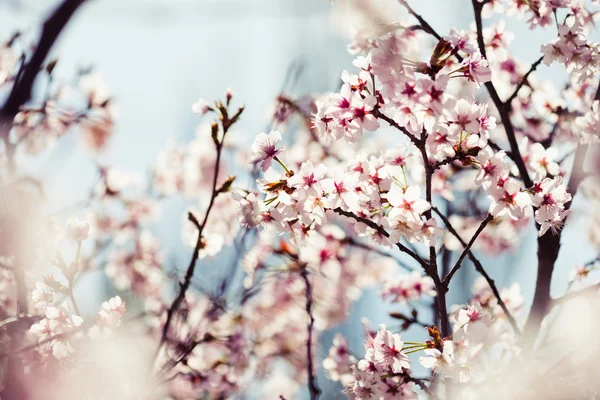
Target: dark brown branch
pixel 391 122
pixel 313 387
pixel 445 161
pixel 383 232
pixel 432 269
pixel 355 243
pixel 523 81
pixel 479 268
pixel 183 287
pixel 420 383
pixel 21 90
pixel 548 249
pixel 502 108
pixel 424 24
pixel 467 250
pixel 408 321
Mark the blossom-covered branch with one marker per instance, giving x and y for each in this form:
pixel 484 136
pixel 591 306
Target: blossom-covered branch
pixel 218 135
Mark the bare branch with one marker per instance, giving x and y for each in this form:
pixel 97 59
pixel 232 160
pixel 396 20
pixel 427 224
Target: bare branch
pixel 226 123
pixel 467 250
pixel 424 24
pixel 479 268
pixel 313 387
pixel 21 90
pixel 383 232
pixel 523 81
pixel 355 243
pixel 502 108
pixel 391 122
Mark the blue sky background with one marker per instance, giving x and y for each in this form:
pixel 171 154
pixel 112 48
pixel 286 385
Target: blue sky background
pixel 159 56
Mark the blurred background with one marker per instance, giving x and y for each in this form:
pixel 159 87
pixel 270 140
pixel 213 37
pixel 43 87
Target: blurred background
pixel 159 56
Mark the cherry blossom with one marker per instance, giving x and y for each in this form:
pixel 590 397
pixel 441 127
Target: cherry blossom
pixel 405 288
pixel 264 149
pixel 339 361
pixel 440 361
pixel 543 161
pixel 416 172
pixel 507 198
pixel 201 107
pixel 476 69
pixel 78 230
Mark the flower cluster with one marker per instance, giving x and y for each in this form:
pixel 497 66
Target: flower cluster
pixel 53 330
pixel 572 48
pixel 589 125
pixel 38 127
pixel 296 202
pixel 60 328
pixel 408 288
pixel 383 372
pixel 409 165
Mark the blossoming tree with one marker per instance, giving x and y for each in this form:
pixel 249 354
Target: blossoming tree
pixel 438 146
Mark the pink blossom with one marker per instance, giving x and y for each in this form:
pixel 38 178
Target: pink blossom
pixel 264 149
pixel 77 230
pixel 476 69
pixel 388 352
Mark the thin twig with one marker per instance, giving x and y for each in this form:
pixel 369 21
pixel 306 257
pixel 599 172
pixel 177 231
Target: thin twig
pixel 382 232
pixel 424 24
pixel 523 81
pixel 226 123
pixel 467 250
pixel 479 268
pixel 355 243
pixel 502 109
pixel 313 387
pixel 391 122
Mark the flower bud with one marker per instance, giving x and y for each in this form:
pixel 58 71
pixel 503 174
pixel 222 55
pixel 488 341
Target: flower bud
pixel 77 230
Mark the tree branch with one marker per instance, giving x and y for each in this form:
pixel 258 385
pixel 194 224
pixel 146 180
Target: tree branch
pixel 424 24
pixel 21 90
pixel 479 268
pixel 226 123
pixel 523 81
pixel 391 122
pixel 548 249
pixel 502 108
pixel 355 243
pixel 382 232
pixel 466 250
pixel 313 387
